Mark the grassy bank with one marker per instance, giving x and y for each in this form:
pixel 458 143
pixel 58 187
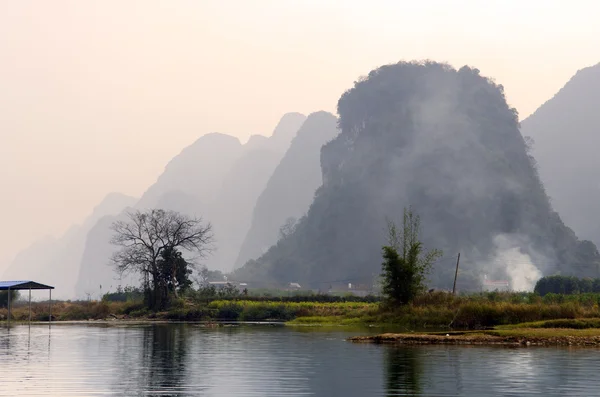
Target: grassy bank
pixel 72 311
pixel 506 337
pixel 435 310
pixel 440 310
pixel 230 310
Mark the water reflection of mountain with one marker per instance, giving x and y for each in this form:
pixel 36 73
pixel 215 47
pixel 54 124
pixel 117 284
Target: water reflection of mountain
pixel 283 362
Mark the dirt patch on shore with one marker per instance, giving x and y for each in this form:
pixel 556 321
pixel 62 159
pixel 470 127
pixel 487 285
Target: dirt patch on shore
pixel 483 338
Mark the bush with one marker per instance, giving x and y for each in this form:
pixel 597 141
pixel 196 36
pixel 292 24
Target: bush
pixel 14 295
pixel 227 310
pixel 137 313
pixel 127 294
pixel 192 314
pixel 261 312
pixel 134 307
pixel 85 311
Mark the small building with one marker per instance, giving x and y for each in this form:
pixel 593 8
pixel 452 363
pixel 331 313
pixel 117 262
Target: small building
pixel 294 286
pixel 25 285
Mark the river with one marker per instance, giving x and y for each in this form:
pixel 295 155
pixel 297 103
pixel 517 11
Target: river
pixel 190 360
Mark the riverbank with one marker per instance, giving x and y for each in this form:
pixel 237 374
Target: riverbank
pixel 562 332
pixel 427 312
pixel 216 310
pixel 571 338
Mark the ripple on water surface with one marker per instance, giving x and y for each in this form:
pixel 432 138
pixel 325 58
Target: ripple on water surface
pixel 188 360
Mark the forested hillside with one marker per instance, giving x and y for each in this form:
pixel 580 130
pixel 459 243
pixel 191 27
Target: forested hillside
pixel 445 142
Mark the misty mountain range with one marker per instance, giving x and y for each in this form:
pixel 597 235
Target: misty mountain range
pixel 216 178
pixel 441 139
pixel 445 142
pixel 57 261
pixel 564 132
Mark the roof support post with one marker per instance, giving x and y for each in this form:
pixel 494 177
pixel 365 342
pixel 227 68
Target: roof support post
pixel 29 305
pixel 50 315
pixel 8 319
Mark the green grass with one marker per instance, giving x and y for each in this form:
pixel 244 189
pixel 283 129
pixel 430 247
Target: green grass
pixel 579 323
pixel 519 332
pixel 286 311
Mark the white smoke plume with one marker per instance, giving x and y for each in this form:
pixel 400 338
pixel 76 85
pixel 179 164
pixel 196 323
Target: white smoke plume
pixel 518 265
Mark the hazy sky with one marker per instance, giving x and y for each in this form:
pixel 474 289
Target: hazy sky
pixel 97 96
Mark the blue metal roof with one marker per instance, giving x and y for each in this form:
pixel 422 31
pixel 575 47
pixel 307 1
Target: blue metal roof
pixel 22 284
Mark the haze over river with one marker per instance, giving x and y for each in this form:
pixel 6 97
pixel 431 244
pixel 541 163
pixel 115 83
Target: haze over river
pixel 190 360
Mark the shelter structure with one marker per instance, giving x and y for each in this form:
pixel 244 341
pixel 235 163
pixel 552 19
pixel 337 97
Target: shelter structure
pixel 25 285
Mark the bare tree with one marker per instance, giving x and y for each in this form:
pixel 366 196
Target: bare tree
pixel 146 236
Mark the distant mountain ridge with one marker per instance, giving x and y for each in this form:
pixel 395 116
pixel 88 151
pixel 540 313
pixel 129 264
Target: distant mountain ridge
pixel 187 172
pixel 565 131
pixel 216 178
pixel 56 261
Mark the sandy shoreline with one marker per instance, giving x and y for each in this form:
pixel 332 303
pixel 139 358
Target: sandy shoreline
pixel 475 338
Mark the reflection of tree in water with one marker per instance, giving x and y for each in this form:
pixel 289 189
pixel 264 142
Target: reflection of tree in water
pixel 403 371
pixel 164 349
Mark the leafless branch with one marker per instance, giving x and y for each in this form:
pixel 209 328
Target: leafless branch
pixel 144 236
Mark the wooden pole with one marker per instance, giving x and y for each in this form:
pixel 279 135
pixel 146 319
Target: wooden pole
pixel 8 319
pixel 29 305
pixel 456 275
pixel 50 316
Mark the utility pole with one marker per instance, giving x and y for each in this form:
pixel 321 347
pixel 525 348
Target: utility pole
pixel 456 274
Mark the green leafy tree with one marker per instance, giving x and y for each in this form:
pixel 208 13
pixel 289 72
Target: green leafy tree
pixel 174 272
pixel 204 276
pixel 405 262
pixel 14 295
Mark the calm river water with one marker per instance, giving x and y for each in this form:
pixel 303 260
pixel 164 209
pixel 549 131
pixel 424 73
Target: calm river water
pixel 188 360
